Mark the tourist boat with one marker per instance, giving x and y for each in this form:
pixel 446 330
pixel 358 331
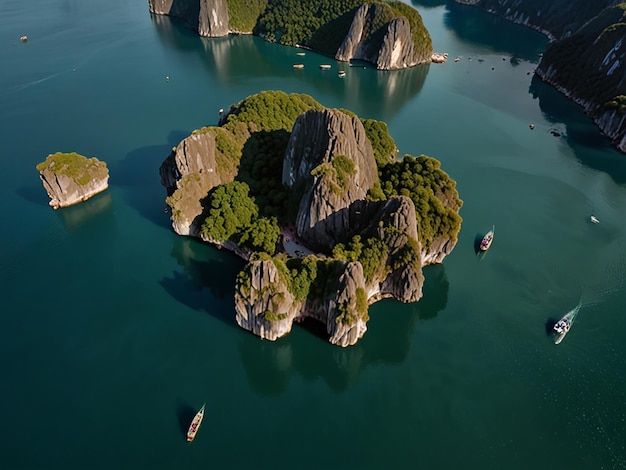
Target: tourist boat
pixel 195 424
pixel 298 66
pixel 342 73
pixel 325 67
pixel 485 243
pixel 561 327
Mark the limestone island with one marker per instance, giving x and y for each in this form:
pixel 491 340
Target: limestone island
pixel 317 202
pixel 388 34
pixel 70 178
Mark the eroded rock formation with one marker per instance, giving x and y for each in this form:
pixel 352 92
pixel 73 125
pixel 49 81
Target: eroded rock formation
pixel 329 167
pixel 208 17
pixel 70 178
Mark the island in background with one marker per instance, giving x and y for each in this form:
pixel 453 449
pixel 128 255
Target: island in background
pixel 389 35
pixel 586 58
pixel 316 201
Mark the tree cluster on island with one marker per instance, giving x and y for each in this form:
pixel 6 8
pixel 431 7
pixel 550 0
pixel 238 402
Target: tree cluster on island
pixel 389 34
pixel 238 199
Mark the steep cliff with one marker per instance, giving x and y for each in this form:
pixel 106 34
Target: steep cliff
pixel 389 46
pixel 585 60
pixel 590 68
pixel 207 17
pixel 70 178
pixel 390 35
pixel 330 161
pixel 190 171
pixel 557 19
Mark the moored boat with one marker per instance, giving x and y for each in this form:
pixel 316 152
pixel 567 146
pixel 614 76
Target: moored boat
pixel 195 424
pixel 325 67
pixel 298 66
pixel 485 243
pixel 562 327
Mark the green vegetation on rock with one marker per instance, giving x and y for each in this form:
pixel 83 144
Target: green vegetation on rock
pixel 244 14
pixel 429 188
pixel 75 166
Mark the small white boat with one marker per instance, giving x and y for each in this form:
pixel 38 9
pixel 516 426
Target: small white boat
pixel 562 327
pixel 342 73
pixel 195 424
pixel 485 243
pixel 594 219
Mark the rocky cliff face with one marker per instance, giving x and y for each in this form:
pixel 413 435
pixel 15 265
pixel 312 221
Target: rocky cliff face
pixel 392 49
pixel 264 305
pixel 590 68
pixel 585 60
pixel 557 19
pixel 71 178
pixel 313 166
pixel 207 17
pixel 188 173
pixel 329 166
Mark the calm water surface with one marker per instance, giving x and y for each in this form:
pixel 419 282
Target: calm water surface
pixel 114 330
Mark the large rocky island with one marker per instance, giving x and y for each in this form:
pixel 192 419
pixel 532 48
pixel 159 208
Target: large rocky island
pixel 388 34
pixel 70 178
pixel 317 202
pixel 586 59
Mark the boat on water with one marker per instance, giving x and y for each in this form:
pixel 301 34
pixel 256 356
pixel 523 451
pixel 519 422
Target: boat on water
pixel 562 327
pixel 594 219
pixel 325 67
pixel 342 73
pixel 485 243
pixel 298 66
pixel 195 424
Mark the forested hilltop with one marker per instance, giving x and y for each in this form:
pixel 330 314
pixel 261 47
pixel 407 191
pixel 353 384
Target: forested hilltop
pixel 586 59
pixel 317 202
pixel 389 34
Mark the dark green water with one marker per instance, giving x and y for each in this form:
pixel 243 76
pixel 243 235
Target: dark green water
pixel 114 330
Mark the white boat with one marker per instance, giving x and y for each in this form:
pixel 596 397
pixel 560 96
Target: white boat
pixel 195 424
pixel 594 219
pixel 562 327
pixel 485 243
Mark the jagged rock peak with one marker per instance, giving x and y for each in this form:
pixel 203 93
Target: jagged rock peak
pixel 329 160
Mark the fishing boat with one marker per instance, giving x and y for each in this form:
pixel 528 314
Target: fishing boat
pixel 562 327
pixel 485 243
pixel 195 424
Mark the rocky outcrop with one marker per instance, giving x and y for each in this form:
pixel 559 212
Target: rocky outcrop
pixel 586 58
pixel 188 174
pixel 391 48
pixel 329 167
pixel 264 305
pixel 589 67
pixel 70 178
pixel 322 143
pixel 208 17
pixel 556 19
pixel 381 33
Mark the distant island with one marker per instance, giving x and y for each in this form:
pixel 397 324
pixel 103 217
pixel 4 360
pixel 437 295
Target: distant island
pixel 317 202
pixel 70 178
pixel 388 34
pixel 586 59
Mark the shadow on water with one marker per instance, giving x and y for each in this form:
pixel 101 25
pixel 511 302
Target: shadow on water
pixel 34 194
pixel 208 275
pixel 305 351
pixel 239 57
pixel 185 414
pixel 138 175
pixel 591 148
pixel 549 325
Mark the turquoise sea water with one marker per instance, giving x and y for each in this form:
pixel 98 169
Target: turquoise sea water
pixel 114 330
